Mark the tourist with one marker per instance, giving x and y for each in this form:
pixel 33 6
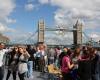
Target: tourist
pixel 34 51
pixel 22 65
pixel 67 66
pixel 62 55
pixel 51 53
pixel 30 61
pixel 95 59
pixel 75 59
pixel 2 53
pixel 37 58
pixel 84 68
pixel 43 58
pixel 57 53
pixel 13 63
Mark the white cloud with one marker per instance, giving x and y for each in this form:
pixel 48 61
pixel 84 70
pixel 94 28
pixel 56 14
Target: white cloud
pixel 4 28
pixel 58 38
pixel 70 10
pixel 29 7
pixel 95 36
pixel 9 20
pixel 92 24
pixel 6 7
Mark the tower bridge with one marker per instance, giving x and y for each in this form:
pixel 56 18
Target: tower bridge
pixel 40 35
pixel 76 30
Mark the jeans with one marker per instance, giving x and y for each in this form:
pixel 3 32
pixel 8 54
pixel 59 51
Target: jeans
pixel 30 68
pixel 1 73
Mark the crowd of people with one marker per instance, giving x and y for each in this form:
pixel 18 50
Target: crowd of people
pixel 21 60
pixel 81 63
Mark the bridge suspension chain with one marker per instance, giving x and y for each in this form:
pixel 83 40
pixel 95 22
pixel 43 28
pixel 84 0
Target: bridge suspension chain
pixel 27 39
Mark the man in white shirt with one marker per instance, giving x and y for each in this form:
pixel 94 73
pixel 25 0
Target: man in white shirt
pixel 2 52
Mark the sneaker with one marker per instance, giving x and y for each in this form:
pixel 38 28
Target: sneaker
pixel 31 77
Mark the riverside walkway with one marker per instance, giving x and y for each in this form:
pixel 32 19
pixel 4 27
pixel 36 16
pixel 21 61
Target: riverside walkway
pixel 36 76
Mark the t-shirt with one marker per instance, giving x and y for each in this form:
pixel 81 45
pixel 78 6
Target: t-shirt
pixel 64 67
pixel 40 54
pixel 2 52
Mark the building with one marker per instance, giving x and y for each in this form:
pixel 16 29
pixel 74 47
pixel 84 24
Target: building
pixel 4 39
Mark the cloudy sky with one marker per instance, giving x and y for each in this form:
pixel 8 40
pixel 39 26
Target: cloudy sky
pixel 18 18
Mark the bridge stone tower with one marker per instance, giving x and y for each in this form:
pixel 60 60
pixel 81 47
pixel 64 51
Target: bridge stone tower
pixel 77 34
pixel 41 30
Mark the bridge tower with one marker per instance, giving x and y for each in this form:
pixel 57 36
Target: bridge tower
pixel 77 33
pixel 41 30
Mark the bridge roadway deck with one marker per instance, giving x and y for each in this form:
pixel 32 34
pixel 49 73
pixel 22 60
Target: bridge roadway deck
pixel 36 76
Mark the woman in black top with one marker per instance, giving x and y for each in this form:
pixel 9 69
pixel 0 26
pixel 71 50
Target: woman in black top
pixel 12 63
